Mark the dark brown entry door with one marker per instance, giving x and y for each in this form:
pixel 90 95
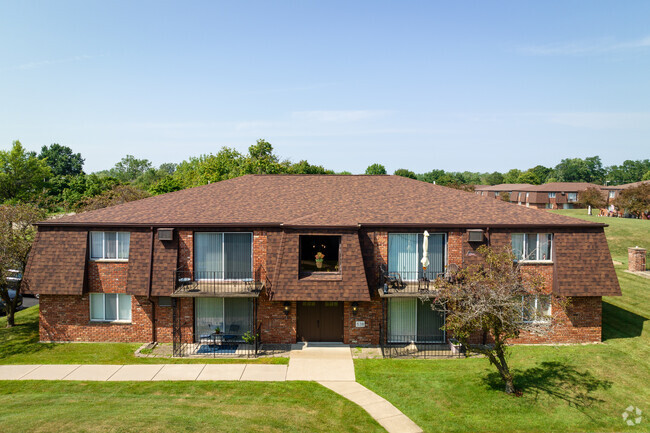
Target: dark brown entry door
pixel 320 321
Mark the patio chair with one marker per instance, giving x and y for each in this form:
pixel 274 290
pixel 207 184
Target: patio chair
pixel 392 279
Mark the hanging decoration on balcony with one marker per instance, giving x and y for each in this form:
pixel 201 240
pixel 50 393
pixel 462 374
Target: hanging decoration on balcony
pixel 425 251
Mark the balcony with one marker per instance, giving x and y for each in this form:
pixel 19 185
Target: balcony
pixel 219 283
pixel 412 283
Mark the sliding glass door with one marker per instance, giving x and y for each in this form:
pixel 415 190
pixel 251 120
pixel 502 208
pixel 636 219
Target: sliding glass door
pixel 405 253
pixel 411 320
pixel 223 256
pixel 233 316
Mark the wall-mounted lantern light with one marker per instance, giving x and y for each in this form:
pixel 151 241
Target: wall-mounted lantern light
pixel 287 308
pixel 385 288
pixel 355 307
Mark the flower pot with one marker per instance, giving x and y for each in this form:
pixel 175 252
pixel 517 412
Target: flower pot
pixel 319 264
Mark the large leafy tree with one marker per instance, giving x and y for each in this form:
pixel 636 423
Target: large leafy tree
pixel 127 169
pixel 593 197
pixel 493 298
pixel 62 160
pixel 16 236
pixel 22 174
pixel 635 200
pixel 512 176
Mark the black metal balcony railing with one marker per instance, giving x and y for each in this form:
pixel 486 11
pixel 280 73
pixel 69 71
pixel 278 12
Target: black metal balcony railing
pixel 217 283
pixel 419 346
pixel 413 281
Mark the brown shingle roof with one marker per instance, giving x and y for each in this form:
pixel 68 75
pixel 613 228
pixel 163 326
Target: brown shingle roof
pixel 501 187
pixel 559 187
pixel 319 201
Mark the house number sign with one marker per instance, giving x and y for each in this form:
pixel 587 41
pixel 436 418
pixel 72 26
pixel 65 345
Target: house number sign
pixel 361 324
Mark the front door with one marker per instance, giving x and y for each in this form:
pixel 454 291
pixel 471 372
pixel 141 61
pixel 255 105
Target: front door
pixel 320 321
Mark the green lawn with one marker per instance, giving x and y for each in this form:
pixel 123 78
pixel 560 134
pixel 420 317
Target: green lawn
pixel 177 407
pixel 565 388
pixel 20 345
pixel 621 233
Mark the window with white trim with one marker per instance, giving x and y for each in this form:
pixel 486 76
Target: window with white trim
pixel 110 307
pixel 527 195
pixel 612 194
pixel 572 196
pixel 551 195
pixel 109 245
pixel 532 246
pixel 535 308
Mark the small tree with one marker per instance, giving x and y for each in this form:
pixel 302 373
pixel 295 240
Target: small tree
pixel 498 299
pixel 376 169
pixel 593 197
pixel 16 236
pixel 635 200
pixel 405 173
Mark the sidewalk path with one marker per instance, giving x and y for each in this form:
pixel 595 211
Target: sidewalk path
pixel 328 364
pixel 145 372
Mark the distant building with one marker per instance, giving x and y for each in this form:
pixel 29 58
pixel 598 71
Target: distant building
pixel 555 195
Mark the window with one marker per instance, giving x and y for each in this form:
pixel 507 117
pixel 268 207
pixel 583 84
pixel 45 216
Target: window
pixel 319 253
pixel 612 194
pixel 496 195
pixel 110 307
pixel 164 301
pixel 572 196
pixel 411 320
pixel 551 195
pixel 527 195
pixel 233 316
pixel 405 254
pixel 109 245
pixel 535 308
pixel 532 246
pixel 223 256
pixel 549 206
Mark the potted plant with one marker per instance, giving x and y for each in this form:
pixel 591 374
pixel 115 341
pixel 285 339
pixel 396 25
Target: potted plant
pixel 217 330
pixel 319 259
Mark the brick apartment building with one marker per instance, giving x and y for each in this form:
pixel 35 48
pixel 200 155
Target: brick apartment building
pixel 298 257
pixel 554 195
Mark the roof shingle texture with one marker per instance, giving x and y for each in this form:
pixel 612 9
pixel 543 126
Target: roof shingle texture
pixel 319 201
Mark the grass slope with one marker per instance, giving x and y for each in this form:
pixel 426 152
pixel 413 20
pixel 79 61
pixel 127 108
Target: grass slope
pixel 20 345
pixel 621 233
pixel 177 407
pixel 566 388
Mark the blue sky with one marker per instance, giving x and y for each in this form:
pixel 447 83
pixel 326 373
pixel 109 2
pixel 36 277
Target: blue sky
pixel 478 86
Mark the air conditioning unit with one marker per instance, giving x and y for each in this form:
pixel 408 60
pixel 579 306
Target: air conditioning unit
pixel 166 234
pixel 475 235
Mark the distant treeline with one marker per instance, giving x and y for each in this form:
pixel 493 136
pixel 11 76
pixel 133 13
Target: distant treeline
pixel 54 178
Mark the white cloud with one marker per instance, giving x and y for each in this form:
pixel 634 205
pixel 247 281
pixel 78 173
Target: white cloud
pixel 585 47
pixel 339 116
pixel 44 63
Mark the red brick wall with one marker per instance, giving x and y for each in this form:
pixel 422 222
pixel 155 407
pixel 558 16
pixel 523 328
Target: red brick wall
pixel 371 314
pixel 67 318
pixel 107 277
pixel 455 248
pixel 275 326
pixel 580 323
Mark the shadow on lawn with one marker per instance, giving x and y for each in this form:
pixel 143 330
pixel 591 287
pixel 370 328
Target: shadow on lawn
pixel 22 339
pixel 557 380
pixel 621 323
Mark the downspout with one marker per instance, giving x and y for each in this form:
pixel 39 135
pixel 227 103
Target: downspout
pixel 154 335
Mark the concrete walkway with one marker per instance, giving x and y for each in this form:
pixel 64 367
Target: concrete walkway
pixel 328 364
pixel 320 362
pixel 145 372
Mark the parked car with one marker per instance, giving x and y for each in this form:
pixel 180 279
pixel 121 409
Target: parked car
pixel 12 296
pixel 13 280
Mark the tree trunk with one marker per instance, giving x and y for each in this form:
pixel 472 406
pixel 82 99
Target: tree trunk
pixel 10 317
pixel 504 370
